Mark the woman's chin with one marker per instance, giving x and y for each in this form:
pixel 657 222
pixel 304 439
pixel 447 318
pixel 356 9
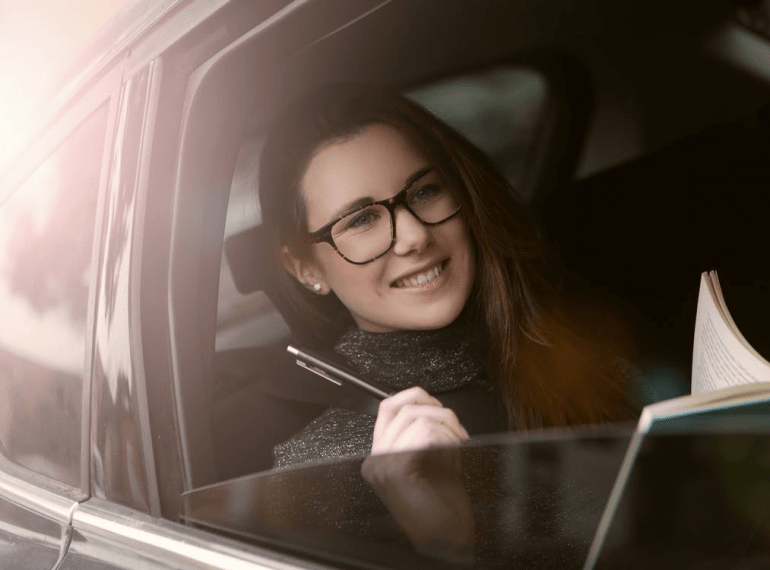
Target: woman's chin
pixel 430 318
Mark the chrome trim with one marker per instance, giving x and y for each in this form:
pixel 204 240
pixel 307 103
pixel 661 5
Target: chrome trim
pixel 122 461
pixel 173 542
pixel 154 71
pixel 110 88
pixel 36 499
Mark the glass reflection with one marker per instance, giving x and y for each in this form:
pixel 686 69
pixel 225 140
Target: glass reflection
pixel 46 239
pixel 530 502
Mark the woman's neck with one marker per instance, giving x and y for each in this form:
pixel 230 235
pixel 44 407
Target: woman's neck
pixel 438 360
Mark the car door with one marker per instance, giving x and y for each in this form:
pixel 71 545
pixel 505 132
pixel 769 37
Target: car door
pixel 136 455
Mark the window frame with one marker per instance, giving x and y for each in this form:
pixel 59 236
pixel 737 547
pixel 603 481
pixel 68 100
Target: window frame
pixel 168 263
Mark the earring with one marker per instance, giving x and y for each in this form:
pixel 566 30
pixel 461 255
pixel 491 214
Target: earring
pixel 317 288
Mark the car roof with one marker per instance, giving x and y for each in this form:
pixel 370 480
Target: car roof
pixel 111 42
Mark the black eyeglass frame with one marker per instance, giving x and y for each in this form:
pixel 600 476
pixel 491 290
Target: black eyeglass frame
pixel 324 233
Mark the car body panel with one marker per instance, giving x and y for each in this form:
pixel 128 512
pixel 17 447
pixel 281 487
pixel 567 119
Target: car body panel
pixel 109 536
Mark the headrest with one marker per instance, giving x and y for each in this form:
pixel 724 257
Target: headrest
pixel 249 260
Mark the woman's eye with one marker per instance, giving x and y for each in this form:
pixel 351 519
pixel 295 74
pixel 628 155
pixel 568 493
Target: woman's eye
pixel 425 193
pixel 362 220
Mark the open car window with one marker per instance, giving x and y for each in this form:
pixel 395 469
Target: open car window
pixel 500 109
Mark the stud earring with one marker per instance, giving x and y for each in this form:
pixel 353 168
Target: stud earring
pixel 317 288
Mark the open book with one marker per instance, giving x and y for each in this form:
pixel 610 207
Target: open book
pixel 730 389
pixel 728 375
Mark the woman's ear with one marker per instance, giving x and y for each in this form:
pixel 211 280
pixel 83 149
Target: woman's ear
pixel 306 272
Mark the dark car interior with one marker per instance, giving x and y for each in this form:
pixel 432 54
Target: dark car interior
pixel 686 208
pixel 647 167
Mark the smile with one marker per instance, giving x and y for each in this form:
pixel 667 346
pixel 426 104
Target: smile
pixel 421 278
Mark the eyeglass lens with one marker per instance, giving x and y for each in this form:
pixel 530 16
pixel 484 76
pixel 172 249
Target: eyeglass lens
pixel 367 232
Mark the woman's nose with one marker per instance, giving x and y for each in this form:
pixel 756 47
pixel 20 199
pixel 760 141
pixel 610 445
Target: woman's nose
pixel 411 234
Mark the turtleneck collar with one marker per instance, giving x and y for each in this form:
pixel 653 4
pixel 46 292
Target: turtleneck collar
pixel 438 360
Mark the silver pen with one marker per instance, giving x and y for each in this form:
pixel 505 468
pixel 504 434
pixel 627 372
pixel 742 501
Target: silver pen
pixel 335 373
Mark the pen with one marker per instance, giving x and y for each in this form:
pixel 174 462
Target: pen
pixel 336 373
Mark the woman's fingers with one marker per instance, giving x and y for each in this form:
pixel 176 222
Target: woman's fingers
pixel 420 419
pixel 389 407
pixel 418 434
pixel 422 489
pixel 414 395
pixel 413 419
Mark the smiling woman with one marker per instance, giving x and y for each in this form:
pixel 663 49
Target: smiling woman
pixel 406 253
pixel 426 280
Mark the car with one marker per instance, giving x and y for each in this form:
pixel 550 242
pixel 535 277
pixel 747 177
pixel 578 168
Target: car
pixel 143 372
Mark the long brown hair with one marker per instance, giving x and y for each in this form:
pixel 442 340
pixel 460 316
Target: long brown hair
pixel 545 372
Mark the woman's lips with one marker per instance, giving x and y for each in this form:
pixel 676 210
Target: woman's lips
pixel 421 279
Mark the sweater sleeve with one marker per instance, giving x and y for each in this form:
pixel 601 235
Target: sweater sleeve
pixel 336 434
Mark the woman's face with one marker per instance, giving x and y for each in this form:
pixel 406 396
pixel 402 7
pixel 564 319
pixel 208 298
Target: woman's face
pixel 425 279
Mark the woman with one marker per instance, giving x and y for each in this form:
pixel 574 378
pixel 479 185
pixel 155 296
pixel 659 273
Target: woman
pixel 405 252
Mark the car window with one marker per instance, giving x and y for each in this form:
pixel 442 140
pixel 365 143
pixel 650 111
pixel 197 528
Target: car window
pixel 498 109
pixel 46 238
pixel 502 504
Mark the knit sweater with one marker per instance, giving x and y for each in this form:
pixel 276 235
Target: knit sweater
pixel 448 363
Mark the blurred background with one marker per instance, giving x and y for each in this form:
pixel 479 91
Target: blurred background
pixel 38 39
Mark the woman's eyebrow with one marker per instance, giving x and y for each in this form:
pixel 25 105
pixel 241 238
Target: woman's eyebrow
pixel 366 200
pixel 417 175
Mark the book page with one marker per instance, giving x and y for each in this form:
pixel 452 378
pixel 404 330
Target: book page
pixel 712 281
pixel 720 358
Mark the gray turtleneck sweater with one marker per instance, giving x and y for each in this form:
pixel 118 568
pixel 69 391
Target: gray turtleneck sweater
pixel 441 361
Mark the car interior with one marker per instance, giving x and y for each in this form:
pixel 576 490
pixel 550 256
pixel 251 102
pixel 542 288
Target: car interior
pixel 636 141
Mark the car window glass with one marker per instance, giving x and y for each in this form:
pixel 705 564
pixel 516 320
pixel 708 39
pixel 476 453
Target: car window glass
pixel 46 239
pixel 498 110
pixel 497 503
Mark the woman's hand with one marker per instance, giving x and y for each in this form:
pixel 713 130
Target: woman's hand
pixel 422 488
pixel 413 419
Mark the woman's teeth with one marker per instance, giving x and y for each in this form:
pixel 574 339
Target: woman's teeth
pixel 420 279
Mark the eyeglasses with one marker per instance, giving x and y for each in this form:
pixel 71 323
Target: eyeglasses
pixel 368 232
